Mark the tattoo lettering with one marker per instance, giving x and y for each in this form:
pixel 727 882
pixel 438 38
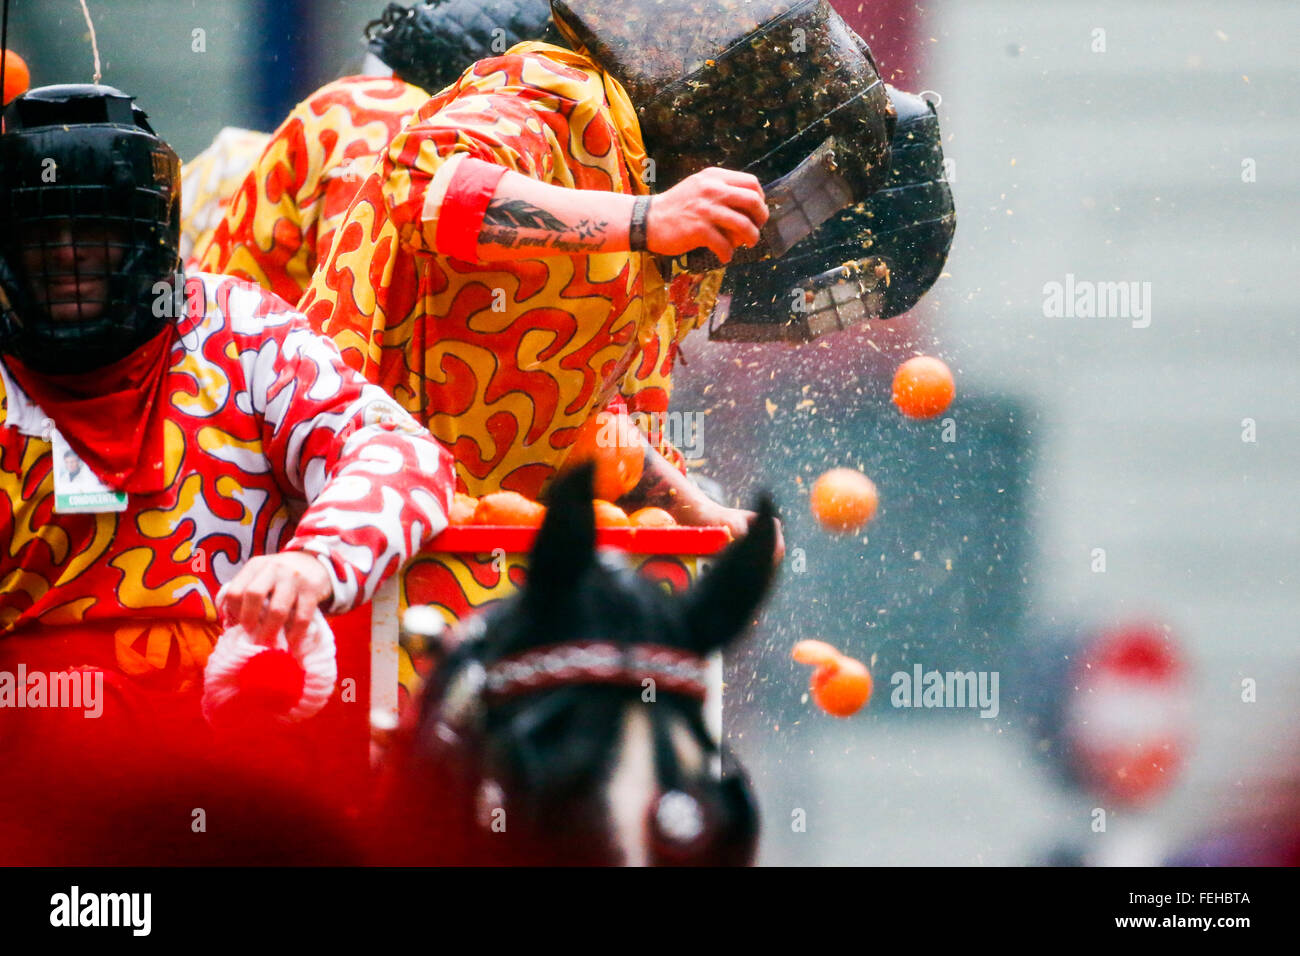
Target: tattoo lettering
pixel 509 239
pixel 586 229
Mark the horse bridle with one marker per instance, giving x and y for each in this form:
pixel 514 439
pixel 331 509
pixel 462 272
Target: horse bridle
pixel 682 818
pixel 476 686
pixel 596 662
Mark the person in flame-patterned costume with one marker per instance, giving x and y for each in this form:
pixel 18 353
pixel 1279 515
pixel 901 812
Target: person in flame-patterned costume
pixel 282 219
pixel 209 182
pixel 294 190
pixel 243 471
pixel 280 222
pixel 486 274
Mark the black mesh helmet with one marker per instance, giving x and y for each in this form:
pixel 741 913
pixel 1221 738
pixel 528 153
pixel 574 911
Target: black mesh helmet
pixel 751 85
pixel 907 226
pixel 89 225
pixel 432 43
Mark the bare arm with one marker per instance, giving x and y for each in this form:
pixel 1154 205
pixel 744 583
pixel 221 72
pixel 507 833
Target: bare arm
pixel 663 486
pixel 526 219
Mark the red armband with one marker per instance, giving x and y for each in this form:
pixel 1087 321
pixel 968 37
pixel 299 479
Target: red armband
pixel 464 206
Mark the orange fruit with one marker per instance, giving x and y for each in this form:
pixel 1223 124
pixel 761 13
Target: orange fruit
pixel 815 653
pixel 462 509
pixel 17 77
pixel 843 500
pixel 609 515
pixel 509 508
pixel 841 687
pixel 651 518
pixel 617 447
pixel 923 387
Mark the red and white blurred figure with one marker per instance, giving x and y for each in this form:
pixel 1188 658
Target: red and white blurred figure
pixel 1127 719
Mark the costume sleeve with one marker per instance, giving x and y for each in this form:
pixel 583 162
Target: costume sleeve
pixel 263 237
pixel 378 486
pixel 518 112
pixel 209 182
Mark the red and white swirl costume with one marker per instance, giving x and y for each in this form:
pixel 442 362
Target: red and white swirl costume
pixel 272 444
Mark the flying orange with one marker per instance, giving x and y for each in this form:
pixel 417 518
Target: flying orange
pixel 840 685
pixel 923 387
pixel 844 500
pixel 17 77
pixel 843 688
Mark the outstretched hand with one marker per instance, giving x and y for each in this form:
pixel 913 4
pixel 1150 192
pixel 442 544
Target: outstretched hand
pixel 662 485
pixel 275 591
pixel 735 520
pixel 718 209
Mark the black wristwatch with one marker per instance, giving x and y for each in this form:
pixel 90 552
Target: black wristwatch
pixel 638 235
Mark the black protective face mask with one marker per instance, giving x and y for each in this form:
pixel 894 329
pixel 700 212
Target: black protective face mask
pixel 89 229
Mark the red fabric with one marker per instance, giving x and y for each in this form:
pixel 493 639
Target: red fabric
pixel 118 787
pixel 112 417
pixel 648 401
pixel 133 708
pixel 463 208
pixel 106 788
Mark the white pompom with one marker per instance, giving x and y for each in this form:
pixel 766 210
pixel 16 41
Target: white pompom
pixel 314 652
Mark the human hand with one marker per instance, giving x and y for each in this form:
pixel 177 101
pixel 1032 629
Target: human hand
pixel 717 209
pixel 735 520
pixel 274 591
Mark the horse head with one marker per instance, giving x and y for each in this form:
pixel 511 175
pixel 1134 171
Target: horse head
pixel 568 721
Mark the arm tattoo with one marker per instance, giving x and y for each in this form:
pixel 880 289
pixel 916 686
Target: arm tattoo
pixel 521 214
pixel 519 224
pixel 653 490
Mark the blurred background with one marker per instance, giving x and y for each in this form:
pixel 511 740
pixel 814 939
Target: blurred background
pixel 1109 521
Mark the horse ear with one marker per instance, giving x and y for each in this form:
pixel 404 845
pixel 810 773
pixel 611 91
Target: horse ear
pixel 722 604
pixel 566 543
